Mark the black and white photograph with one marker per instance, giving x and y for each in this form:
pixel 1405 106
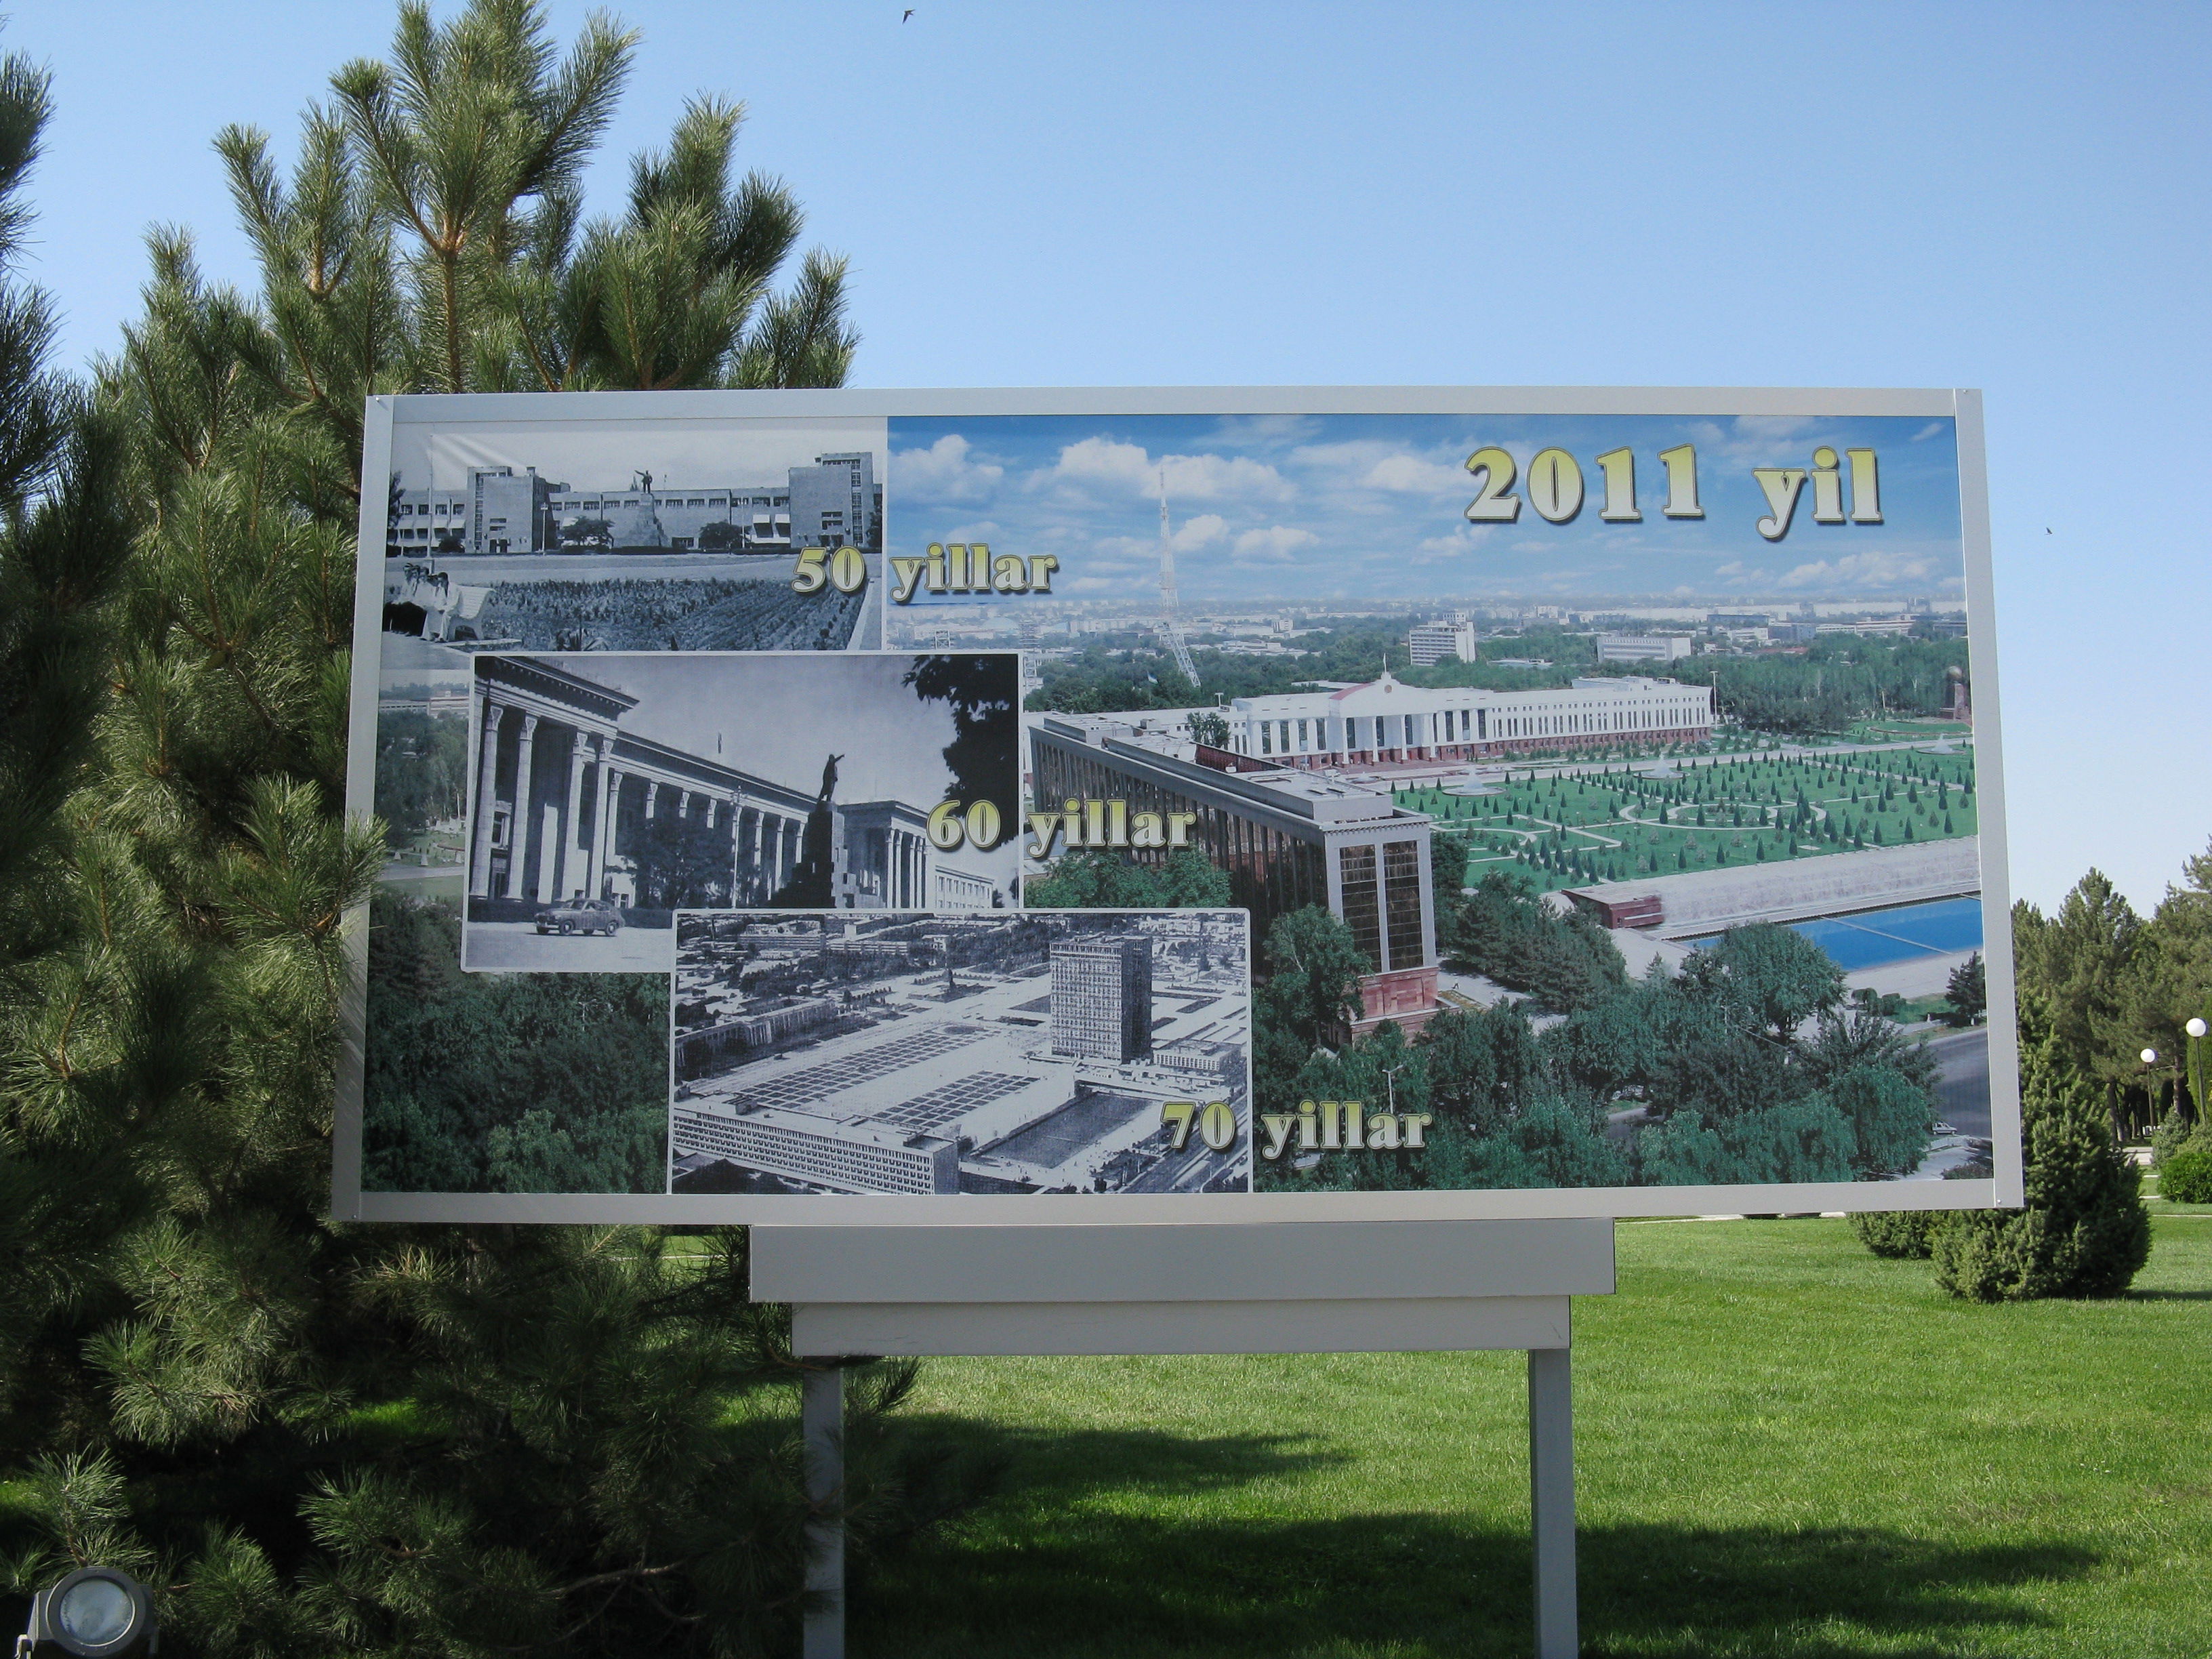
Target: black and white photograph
pixel 608 792
pixel 724 535
pixel 1101 1051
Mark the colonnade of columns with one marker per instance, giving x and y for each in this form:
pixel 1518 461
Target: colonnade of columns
pixel 906 868
pixel 575 845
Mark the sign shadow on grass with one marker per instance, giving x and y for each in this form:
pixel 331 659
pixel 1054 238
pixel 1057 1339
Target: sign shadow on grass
pixel 1056 1569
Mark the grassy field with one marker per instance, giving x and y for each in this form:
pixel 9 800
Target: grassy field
pixel 1614 825
pixel 1786 1447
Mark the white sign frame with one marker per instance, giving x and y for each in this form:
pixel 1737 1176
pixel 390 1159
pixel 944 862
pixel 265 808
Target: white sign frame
pixel 386 414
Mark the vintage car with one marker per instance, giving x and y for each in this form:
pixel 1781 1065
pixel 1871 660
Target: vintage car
pixel 580 916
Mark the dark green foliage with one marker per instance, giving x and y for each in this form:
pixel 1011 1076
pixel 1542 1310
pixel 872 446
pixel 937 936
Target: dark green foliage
pixel 1774 975
pixel 505 1082
pixel 2186 1176
pixel 317 1438
pixel 1503 930
pixel 1907 1234
pixel 1313 967
pixel 1481 1064
pixel 981 691
pixel 2083 1231
pixel 1089 879
pixel 1710 1078
pixel 422 762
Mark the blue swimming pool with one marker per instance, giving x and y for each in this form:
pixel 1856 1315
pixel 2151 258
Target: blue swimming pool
pixel 1876 939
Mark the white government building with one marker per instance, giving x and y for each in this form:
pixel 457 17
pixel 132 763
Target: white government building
pixel 562 795
pixel 1387 720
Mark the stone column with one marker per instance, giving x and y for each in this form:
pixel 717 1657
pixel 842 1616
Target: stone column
pixel 735 822
pixel 572 819
pixel 518 836
pixel 487 801
pixel 652 794
pixel 603 834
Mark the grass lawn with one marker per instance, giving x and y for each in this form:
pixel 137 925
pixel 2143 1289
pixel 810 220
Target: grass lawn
pixel 1785 1447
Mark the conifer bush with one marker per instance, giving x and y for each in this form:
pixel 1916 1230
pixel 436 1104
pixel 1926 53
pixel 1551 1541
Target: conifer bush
pixel 2083 1230
pixel 1904 1234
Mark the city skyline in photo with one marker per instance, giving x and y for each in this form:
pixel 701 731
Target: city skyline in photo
pixel 1351 508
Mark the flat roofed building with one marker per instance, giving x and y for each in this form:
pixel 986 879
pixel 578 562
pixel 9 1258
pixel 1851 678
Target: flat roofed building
pixel 1642 647
pixel 1102 998
pixel 836 500
pixel 1386 719
pixel 1432 642
pixel 1287 838
pixel 858 1156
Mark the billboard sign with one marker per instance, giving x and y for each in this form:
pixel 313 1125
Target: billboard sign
pixel 1264 803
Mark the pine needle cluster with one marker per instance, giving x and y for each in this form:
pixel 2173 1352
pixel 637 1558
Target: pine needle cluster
pixel 315 1438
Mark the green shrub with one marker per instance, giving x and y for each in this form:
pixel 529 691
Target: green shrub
pixel 1902 1233
pixel 2186 1176
pixel 2083 1231
pixel 2175 1134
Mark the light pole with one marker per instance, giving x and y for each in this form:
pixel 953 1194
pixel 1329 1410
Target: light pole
pixel 1390 1083
pixel 2150 1087
pixel 2197 1028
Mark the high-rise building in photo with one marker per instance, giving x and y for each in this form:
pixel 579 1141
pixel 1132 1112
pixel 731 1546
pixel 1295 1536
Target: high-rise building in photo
pixel 1432 642
pixel 1102 998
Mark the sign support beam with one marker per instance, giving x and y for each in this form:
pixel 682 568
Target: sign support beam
pixel 821 1430
pixel 1290 1288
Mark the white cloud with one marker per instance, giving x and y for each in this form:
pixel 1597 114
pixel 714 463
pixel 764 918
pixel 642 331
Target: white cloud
pixel 1861 570
pixel 1411 474
pixel 1189 477
pixel 943 471
pixel 1274 544
pixel 1930 430
pixel 1203 531
pixel 1370 463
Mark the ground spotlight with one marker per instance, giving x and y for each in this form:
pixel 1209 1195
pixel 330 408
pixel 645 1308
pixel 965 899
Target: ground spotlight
pixel 96 1613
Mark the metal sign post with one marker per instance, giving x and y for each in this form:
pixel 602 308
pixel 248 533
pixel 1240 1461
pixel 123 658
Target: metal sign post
pixel 1296 1287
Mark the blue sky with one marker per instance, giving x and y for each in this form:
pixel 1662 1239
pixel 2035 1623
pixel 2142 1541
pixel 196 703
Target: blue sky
pixel 1373 506
pixel 2008 196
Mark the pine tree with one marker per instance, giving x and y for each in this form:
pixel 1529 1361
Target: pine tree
pixel 320 1438
pixel 2083 1230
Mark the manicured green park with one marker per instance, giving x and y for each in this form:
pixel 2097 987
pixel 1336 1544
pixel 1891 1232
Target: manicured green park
pixel 1786 1446
pixel 1567 828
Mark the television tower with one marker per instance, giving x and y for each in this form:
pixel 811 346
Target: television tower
pixel 1171 618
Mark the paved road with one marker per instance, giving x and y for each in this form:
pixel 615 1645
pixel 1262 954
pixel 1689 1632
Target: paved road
pixel 519 945
pixel 1962 1080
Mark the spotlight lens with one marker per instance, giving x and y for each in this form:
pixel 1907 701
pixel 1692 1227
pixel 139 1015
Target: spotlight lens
pixel 94 1611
